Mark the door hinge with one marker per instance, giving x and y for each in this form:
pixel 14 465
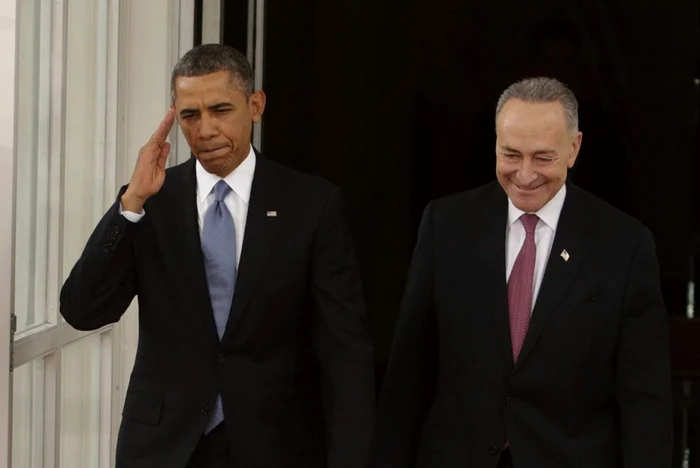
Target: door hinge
pixel 13 330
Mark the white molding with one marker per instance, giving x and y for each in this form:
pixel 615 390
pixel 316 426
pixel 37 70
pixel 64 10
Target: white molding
pixel 59 21
pixel 106 413
pixel 100 107
pixel 211 21
pixel 51 405
pixel 250 37
pixel 112 100
pixel 41 208
pixel 48 341
pixel 183 27
pixel 258 62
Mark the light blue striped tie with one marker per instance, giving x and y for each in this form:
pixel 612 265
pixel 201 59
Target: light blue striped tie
pixel 219 251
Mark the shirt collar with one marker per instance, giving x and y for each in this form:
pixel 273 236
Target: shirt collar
pixel 240 179
pixel 549 213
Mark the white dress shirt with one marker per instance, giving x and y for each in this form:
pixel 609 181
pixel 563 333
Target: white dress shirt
pixel 240 181
pixel 544 236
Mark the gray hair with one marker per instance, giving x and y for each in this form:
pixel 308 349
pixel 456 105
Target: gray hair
pixel 211 58
pixel 541 90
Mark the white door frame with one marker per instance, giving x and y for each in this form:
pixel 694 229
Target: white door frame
pixel 133 68
pixel 8 12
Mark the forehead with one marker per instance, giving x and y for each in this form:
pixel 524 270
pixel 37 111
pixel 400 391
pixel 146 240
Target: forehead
pixel 206 89
pixel 527 120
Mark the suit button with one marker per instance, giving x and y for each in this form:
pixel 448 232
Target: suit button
pixel 493 450
pixel 115 230
pixel 510 401
pixel 220 357
pixel 205 409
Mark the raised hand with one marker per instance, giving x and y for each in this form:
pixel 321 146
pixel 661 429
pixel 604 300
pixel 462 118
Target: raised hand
pixel 149 173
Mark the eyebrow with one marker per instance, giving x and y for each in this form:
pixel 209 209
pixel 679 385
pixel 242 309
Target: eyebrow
pixel 542 152
pixel 213 107
pixel 220 105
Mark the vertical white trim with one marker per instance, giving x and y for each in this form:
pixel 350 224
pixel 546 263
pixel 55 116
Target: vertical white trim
pixel 25 149
pixel 124 167
pixel 38 399
pixel 100 102
pixel 211 21
pixel 41 212
pixel 50 406
pixel 250 39
pixel 258 63
pixel 112 100
pixel 184 28
pixel 105 390
pixel 57 119
pixel 8 55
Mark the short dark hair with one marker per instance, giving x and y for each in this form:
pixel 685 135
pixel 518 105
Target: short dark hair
pixel 211 58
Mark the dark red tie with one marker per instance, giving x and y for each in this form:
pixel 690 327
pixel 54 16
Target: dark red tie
pixel 520 286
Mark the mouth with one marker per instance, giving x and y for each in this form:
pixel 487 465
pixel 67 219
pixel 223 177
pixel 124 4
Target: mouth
pixel 212 151
pixel 527 189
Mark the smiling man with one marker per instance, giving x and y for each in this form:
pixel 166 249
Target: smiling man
pixel 252 348
pixel 533 331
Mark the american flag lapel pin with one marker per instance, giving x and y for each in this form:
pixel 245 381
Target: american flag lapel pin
pixel 272 214
pixel 565 255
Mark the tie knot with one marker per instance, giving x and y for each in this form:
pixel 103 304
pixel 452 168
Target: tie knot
pixel 221 189
pixel 529 222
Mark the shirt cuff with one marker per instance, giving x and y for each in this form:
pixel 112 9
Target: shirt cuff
pixel 130 215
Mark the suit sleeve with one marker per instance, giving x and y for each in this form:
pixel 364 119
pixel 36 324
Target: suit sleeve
pixel 411 373
pixel 643 380
pixel 344 350
pixel 102 283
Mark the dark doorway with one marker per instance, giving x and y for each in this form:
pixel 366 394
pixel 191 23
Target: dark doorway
pixel 393 101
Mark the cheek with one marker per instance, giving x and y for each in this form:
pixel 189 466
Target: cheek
pixel 504 171
pixel 554 175
pixel 232 131
pixel 189 130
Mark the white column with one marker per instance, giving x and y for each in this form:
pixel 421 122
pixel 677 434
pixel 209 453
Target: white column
pixel 183 27
pixel 211 21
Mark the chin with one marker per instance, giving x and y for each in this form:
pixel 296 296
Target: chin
pixel 527 204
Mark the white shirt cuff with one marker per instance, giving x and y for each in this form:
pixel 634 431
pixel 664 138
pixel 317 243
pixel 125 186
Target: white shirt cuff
pixel 130 215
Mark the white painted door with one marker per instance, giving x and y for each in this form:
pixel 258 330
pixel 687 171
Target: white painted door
pixel 91 83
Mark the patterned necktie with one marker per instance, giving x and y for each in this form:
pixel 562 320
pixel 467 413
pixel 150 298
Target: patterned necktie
pixel 219 251
pixel 520 286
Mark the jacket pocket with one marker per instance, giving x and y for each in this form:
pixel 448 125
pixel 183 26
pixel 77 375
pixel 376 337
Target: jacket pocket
pixel 143 408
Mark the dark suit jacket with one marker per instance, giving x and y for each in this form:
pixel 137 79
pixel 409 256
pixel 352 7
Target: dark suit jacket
pixel 592 385
pixel 295 365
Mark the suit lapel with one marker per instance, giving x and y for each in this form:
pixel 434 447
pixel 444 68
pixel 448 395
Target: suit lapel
pixel 260 233
pixel 570 236
pixel 177 225
pixel 491 280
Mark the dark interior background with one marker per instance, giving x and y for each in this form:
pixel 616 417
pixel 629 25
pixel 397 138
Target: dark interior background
pixel 393 101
